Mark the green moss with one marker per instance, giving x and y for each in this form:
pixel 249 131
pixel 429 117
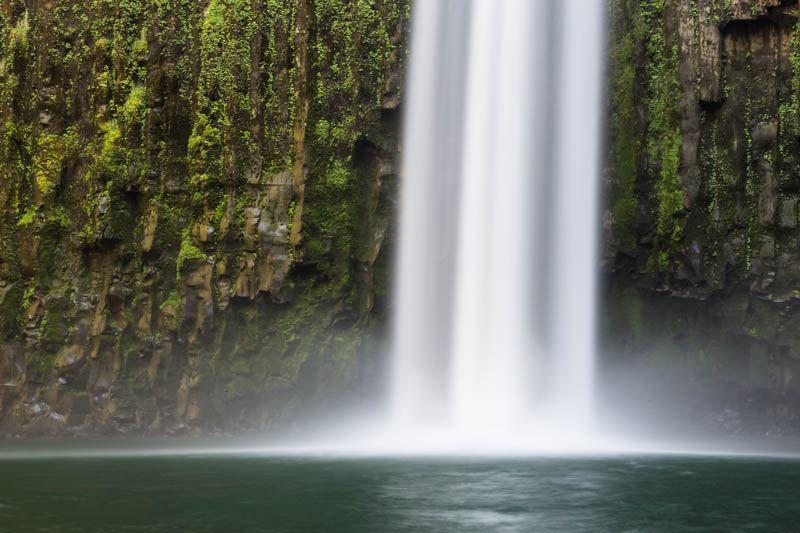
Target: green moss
pixel 11 314
pixel 53 329
pixel 205 151
pixel 713 161
pixel 221 209
pixel 794 61
pixel 49 156
pixel 26 298
pixel 18 35
pixel 664 140
pixel 139 48
pixel 173 299
pixel 223 119
pixel 60 218
pixel 188 251
pixel 40 363
pixel 626 141
pixel 134 104
pixel 28 217
pixel 109 163
pixel 43 324
pixel 638 28
pixel 670 191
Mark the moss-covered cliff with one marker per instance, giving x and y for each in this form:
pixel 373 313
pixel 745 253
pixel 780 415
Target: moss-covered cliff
pixel 703 185
pixel 195 200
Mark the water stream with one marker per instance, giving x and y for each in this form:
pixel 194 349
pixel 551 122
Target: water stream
pixel 495 322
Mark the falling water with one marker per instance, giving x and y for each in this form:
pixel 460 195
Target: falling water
pixel 494 329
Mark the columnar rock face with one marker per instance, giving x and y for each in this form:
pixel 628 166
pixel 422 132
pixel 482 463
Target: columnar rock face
pixel 195 209
pixel 196 206
pixel 703 186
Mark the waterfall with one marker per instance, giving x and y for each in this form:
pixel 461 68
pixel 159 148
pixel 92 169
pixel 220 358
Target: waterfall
pixel 494 325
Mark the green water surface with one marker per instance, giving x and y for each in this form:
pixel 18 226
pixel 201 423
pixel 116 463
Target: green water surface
pixel 251 492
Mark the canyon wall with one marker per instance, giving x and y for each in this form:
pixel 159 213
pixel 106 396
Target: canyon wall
pixel 702 257
pixel 195 209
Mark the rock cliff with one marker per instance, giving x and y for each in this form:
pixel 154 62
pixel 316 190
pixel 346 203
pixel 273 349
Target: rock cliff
pixel 195 209
pixel 197 202
pixel 703 186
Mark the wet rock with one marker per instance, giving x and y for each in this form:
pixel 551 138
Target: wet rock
pixel 246 285
pixel 251 219
pixel 69 355
pixel 751 9
pixel 765 133
pixel 150 222
pixel 787 217
pixel 710 55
